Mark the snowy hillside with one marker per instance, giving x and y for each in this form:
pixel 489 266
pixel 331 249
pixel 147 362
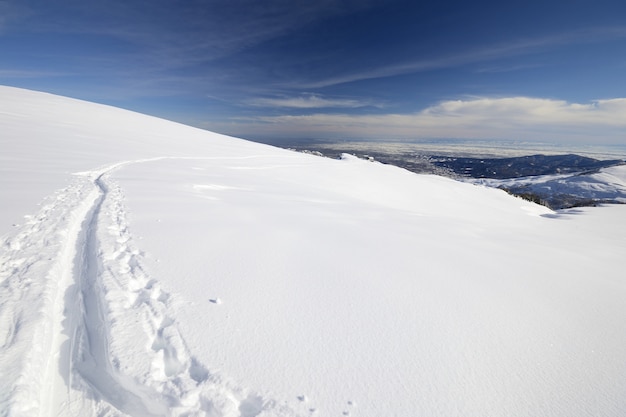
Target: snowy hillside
pixel 152 269
pixel 604 185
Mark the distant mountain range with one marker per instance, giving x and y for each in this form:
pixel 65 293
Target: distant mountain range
pixel 525 166
pixel 555 181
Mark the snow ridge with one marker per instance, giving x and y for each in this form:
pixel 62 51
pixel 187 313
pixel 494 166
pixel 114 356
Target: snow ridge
pixel 95 294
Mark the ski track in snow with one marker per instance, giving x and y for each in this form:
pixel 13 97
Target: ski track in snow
pixel 72 286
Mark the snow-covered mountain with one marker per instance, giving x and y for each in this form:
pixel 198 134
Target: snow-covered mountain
pixel 603 185
pixel 153 269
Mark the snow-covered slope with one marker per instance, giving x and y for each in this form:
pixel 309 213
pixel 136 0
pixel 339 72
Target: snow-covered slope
pixel 172 271
pixel 605 185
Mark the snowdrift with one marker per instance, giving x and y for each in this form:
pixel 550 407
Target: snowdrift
pixel 153 269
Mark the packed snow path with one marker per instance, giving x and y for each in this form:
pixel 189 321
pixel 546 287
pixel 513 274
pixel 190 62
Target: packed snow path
pixel 78 328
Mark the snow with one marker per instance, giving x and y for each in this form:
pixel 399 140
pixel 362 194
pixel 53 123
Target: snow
pixel 170 271
pixel 605 184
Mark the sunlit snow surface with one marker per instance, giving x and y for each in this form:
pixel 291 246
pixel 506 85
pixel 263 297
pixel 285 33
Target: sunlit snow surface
pixel 172 271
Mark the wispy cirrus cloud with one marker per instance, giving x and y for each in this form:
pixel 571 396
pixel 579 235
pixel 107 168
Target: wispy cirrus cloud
pixel 494 69
pixel 311 101
pixel 10 12
pixel 515 118
pixel 136 42
pixel 18 73
pixel 200 31
pixel 474 56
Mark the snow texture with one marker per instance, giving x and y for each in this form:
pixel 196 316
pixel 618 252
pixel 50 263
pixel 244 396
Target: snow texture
pixel 152 269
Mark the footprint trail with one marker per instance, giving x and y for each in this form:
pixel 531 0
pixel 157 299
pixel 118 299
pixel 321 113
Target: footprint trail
pixel 77 302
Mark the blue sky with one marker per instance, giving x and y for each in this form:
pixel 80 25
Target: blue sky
pixel 550 71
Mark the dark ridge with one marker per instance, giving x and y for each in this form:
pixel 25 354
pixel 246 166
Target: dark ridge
pixel 524 166
pixel 556 201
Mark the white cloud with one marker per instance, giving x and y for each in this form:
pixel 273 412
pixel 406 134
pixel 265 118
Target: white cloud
pixel 311 101
pixel 515 118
